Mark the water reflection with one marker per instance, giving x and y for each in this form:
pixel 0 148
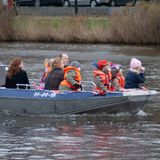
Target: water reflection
pixel 82 137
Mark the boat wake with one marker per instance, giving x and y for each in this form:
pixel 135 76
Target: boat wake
pixel 142 113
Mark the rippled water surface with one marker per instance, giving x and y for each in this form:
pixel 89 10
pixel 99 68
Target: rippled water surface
pixel 82 137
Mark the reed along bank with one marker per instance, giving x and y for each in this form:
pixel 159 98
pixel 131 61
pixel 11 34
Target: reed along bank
pixel 132 25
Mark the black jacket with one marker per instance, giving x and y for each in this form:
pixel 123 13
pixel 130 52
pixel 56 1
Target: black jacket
pixel 54 79
pixel 20 78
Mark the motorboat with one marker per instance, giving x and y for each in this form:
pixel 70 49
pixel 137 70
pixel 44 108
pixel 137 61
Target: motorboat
pixel 34 101
pixel 40 101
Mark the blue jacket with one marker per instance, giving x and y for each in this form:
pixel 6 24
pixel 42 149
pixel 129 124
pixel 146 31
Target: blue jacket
pixel 132 79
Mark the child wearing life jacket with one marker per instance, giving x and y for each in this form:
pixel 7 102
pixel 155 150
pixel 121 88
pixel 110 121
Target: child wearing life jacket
pixel 118 79
pixel 102 76
pixel 72 77
pixel 135 75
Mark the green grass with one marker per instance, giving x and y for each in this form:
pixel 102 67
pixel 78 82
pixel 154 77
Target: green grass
pixel 97 22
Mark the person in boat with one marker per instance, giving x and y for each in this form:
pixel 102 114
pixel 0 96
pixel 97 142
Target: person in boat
pixel 47 66
pixel 118 80
pixel 72 77
pixel 65 59
pixel 102 76
pixel 135 76
pixel 56 75
pixel 16 74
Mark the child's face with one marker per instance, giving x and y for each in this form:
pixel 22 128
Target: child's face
pixel 106 69
pixel 46 61
pixel 138 69
pixel 47 64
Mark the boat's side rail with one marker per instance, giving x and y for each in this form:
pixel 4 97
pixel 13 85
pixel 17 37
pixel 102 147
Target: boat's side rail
pixel 26 86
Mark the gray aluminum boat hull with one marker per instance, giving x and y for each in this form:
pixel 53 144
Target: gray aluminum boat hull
pixel 48 102
pixel 67 103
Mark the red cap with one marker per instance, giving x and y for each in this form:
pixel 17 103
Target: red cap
pixel 102 63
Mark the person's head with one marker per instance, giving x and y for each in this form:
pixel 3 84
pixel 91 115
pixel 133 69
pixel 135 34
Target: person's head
pixel 75 64
pixel 115 69
pixel 135 64
pixel 103 65
pixel 46 62
pixel 57 62
pixel 15 65
pixel 65 58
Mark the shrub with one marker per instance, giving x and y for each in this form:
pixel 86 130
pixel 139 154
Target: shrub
pixel 139 25
pixel 7 31
pixel 132 25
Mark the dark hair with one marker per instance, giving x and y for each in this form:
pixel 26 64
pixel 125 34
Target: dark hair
pixel 14 66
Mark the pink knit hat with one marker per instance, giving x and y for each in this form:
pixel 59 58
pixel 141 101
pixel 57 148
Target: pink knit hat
pixel 135 63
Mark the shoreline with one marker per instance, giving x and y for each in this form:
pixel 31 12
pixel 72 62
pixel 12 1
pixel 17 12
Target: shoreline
pixel 79 43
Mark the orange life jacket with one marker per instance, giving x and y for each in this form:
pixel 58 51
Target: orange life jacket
pixel 106 78
pixel 121 81
pixel 77 78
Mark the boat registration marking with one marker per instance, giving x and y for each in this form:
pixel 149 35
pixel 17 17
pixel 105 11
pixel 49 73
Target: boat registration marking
pixel 44 95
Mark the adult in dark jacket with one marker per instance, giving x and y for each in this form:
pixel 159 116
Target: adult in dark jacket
pixel 16 74
pixel 56 75
pixel 135 76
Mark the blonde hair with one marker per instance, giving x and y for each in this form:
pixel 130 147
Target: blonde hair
pixel 56 62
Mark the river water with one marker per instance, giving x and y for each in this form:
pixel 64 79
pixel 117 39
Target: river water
pixel 82 137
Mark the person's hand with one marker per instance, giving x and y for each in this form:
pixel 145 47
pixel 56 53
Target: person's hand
pixel 122 90
pixel 144 88
pixel 102 93
pixel 142 69
pixel 77 86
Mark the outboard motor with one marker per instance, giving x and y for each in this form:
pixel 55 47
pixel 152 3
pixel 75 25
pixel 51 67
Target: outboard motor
pixel 3 73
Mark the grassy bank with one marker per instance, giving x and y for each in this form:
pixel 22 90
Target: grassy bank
pixel 133 25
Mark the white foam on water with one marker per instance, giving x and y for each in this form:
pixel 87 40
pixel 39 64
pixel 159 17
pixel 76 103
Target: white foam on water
pixel 141 113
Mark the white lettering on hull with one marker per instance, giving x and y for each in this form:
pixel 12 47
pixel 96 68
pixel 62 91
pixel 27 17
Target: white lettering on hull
pixel 44 95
